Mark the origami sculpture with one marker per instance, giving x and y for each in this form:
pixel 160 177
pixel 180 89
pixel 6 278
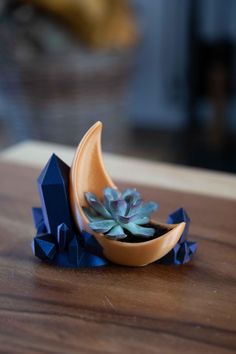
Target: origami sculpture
pixel 63 235
pixel 56 241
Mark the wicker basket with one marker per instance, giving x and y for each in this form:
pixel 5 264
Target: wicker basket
pixel 56 96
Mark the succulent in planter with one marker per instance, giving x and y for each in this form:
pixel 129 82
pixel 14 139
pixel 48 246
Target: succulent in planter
pixel 120 215
pixel 124 216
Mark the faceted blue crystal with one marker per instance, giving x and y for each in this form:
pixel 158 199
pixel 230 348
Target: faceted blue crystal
pixel 90 244
pixel 91 260
pixel 44 248
pixel 80 257
pixel 37 216
pixel 53 185
pixel 182 253
pixel 64 235
pixel 39 221
pixel 177 217
pixel 75 252
pixel 184 250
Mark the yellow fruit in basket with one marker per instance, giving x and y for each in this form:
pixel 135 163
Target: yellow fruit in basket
pixel 97 23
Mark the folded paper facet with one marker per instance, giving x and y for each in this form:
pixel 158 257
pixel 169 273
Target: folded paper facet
pixel 56 241
pixel 184 250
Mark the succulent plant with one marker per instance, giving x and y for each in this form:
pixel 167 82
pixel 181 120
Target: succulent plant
pixel 120 214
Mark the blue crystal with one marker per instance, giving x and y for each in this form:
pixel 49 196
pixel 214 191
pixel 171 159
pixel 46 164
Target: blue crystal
pixel 90 244
pixel 37 216
pixel 38 220
pixel 61 259
pixel 177 217
pixel 64 235
pixel 44 248
pixel 75 251
pixel 184 250
pixel 90 260
pixel 53 185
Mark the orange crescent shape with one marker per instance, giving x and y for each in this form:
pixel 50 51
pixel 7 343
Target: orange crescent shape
pixel 88 174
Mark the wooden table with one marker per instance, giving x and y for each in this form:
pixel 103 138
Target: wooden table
pixel 154 309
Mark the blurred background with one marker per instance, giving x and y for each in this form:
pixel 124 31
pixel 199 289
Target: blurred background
pixel 160 74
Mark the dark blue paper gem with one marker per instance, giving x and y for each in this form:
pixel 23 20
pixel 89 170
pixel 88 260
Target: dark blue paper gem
pixel 53 185
pixel 184 250
pixel 64 235
pixel 44 248
pixel 90 244
pixel 74 251
pixel 90 260
pixel 177 217
pixel 82 258
pixel 37 216
pixel 38 220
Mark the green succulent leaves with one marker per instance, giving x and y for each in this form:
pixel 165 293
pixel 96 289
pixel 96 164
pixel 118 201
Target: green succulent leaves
pixel 119 214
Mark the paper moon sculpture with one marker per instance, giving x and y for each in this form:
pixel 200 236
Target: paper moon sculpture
pixel 88 174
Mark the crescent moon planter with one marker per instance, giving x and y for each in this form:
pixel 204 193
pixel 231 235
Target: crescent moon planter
pixel 88 174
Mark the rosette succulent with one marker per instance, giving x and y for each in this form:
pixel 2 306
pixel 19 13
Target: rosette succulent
pixel 120 214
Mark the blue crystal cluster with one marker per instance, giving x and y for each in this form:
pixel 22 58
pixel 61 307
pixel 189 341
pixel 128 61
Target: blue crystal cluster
pixel 184 250
pixel 56 241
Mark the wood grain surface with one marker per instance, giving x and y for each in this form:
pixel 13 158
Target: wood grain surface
pixel 154 309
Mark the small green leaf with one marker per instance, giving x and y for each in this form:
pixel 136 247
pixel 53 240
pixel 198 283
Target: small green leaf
pixel 134 207
pixel 116 233
pixel 131 194
pixel 118 207
pixel 139 230
pixel 140 220
pixel 102 226
pixel 90 213
pixel 147 208
pixel 135 219
pixel 111 193
pixel 97 205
